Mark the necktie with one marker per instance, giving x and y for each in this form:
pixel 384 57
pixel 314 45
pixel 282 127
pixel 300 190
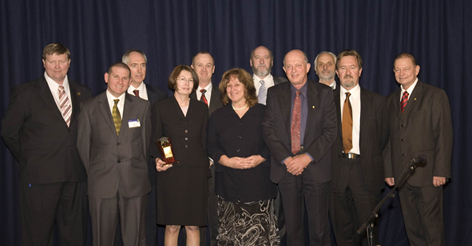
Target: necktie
pixel 203 98
pixel 262 96
pixel 116 116
pixel 296 119
pixel 347 124
pixel 64 103
pixel 404 101
pixel 136 93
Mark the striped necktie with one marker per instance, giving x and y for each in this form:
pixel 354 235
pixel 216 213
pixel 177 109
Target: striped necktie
pixel 64 103
pixel 404 101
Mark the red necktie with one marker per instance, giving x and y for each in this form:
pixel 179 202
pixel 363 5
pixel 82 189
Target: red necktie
pixel 404 101
pixel 296 119
pixel 203 98
pixel 347 124
pixel 136 93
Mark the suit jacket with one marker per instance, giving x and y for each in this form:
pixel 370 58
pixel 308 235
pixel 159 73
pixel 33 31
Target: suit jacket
pixel 38 137
pixel 188 133
pixel 215 101
pixel 155 94
pixel 320 131
pixel 424 127
pixel 115 162
pixel 372 140
pixel 279 80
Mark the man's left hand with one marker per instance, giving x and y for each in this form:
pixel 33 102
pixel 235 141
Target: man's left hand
pixel 298 164
pixel 438 181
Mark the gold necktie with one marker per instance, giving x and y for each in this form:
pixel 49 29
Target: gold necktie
pixel 347 124
pixel 116 116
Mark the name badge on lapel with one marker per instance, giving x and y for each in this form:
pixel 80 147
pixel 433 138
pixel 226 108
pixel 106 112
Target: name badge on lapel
pixel 134 123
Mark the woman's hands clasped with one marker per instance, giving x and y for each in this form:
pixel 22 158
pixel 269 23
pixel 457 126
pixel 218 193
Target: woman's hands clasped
pixel 240 162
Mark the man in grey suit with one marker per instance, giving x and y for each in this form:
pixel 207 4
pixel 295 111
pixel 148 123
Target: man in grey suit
pixel 207 92
pixel 419 120
pixel 299 128
pixel 357 163
pixel 325 66
pixel 114 133
pixel 261 61
pixel 136 61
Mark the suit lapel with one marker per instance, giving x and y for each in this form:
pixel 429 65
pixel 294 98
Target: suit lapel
pixel 396 104
pixel 152 95
pixel 337 97
pixel 106 112
pixel 285 103
pixel 127 110
pixel 313 103
pixel 177 108
pixel 74 94
pixel 45 93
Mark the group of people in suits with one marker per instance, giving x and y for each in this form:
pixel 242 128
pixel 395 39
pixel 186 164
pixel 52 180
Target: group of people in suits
pixel 254 156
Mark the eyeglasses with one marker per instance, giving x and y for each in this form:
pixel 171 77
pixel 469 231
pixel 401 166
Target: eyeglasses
pixel 185 80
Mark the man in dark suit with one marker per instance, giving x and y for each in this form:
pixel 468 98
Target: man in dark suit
pixel 114 133
pixel 261 61
pixel 136 61
pixel 420 123
pixel 40 129
pixel 325 66
pixel 300 128
pixel 207 92
pixel 357 152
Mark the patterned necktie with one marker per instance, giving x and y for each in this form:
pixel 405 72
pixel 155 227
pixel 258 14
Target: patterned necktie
pixel 64 103
pixel 136 93
pixel 203 98
pixel 347 124
pixel 262 96
pixel 116 116
pixel 404 101
pixel 296 120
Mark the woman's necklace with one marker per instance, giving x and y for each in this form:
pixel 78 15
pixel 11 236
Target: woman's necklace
pixel 243 107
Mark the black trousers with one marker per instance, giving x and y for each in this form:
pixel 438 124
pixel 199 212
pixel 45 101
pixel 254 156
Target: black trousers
pixel 422 209
pixel 297 191
pixel 43 205
pixel 351 204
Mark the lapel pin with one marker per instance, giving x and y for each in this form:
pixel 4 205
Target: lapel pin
pixel 415 98
pixel 78 94
pixel 313 106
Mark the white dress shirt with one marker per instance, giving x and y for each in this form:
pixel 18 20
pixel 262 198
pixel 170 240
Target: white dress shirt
pixel 409 90
pixel 121 103
pixel 268 82
pixel 142 91
pixel 54 87
pixel 355 100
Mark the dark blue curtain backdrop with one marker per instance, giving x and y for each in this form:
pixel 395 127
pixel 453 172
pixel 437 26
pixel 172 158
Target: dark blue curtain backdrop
pixel 438 33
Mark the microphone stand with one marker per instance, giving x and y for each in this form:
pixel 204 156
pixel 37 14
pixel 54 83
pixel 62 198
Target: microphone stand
pixel 369 224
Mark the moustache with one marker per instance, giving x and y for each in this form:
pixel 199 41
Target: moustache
pixel 348 76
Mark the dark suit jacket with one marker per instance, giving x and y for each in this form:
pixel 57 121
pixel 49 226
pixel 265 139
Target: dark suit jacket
pixel 155 94
pixel 320 130
pixel 425 127
pixel 115 162
pixel 188 140
pixel 372 140
pixel 215 101
pixel 38 137
pixel 279 80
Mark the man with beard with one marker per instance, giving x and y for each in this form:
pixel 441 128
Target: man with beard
pixel 204 66
pixel 356 182
pixel 261 62
pixel 325 66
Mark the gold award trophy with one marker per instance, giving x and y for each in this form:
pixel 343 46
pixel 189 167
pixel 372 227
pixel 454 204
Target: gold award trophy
pixel 165 147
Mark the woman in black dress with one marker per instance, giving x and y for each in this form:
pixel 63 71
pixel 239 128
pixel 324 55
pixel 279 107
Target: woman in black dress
pixel 235 142
pixel 182 188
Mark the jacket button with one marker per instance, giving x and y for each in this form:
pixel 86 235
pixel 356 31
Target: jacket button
pixel 238 150
pixel 119 161
pixel 186 131
pixel 186 146
pixel 186 139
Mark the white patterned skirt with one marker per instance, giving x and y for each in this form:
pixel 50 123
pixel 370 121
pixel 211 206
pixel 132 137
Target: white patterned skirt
pixel 250 223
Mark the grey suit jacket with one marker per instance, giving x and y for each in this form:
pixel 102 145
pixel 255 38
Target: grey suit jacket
pixel 424 127
pixel 38 137
pixel 115 162
pixel 320 131
pixel 372 140
pixel 215 101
